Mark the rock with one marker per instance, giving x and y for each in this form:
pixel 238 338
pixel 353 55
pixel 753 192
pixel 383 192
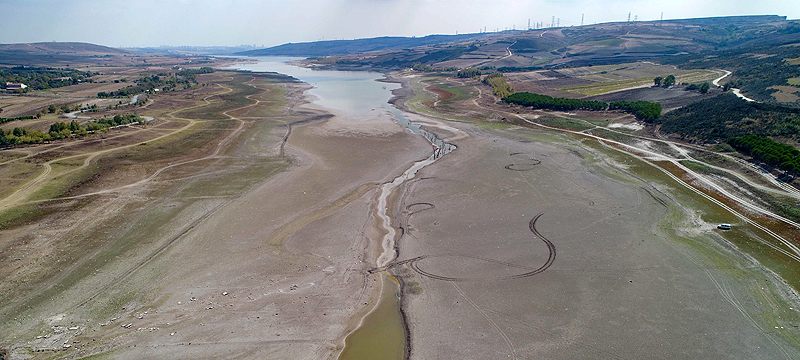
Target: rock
pixel 224 293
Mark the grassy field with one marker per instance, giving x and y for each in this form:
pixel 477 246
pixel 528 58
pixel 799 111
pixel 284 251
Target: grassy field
pixel 605 85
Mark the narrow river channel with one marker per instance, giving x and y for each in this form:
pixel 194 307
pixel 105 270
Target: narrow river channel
pixel 359 96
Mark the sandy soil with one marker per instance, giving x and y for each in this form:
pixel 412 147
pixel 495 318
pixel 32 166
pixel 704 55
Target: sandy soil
pixel 277 270
pixel 289 254
pixel 527 244
pixel 618 287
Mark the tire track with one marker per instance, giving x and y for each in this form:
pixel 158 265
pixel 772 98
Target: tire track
pixel 413 263
pixel 527 164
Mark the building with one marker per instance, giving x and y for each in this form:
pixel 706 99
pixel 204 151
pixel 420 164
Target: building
pixel 15 87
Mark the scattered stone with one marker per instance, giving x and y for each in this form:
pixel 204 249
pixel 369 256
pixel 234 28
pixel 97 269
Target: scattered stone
pixel 73 328
pixel 172 334
pixel 224 293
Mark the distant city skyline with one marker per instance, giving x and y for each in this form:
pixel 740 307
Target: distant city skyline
pixel 145 23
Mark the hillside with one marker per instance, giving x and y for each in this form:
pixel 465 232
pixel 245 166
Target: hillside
pixel 49 52
pixel 344 47
pixel 725 116
pixel 600 43
pixel 745 45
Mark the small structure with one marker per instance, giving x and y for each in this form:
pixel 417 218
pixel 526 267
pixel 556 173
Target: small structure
pixel 724 226
pixel 15 87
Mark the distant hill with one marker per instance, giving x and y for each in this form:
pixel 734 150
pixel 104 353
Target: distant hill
pixel 61 48
pixel 53 52
pixel 762 51
pixel 345 47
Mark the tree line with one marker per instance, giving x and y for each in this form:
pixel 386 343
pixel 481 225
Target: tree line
pixel 642 110
pixel 61 130
pixel 771 152
pixel 181 79
pixel 500 86
pixel 41 78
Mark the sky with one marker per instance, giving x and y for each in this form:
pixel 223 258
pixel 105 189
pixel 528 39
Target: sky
pixel 140 23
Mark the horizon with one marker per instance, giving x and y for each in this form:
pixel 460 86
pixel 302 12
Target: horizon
pixel 237 23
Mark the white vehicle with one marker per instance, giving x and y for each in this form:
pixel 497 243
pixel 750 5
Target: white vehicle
pixel 724 226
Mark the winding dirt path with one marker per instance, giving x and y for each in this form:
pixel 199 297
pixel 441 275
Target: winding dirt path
pixel 18 197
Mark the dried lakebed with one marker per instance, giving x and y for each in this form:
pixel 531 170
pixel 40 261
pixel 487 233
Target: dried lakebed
pixel 473 239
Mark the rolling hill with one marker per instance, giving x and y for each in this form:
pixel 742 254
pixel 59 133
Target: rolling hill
pixel 344 47
pixel 53 52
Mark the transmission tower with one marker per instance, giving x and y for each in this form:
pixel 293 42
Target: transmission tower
pixel 581 19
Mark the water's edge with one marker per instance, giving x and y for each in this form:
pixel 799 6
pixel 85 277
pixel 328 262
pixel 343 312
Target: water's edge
pixel 361 342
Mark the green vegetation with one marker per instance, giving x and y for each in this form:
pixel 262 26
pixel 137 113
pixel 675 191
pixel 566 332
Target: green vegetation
pixel 62 130
pixel 725 116
pixel 539 101
pixel 702 88
pixel 658 80
pixel 181 79
pixel 771 152
pixel 468 73
pixel 4 120
pixel 668 81
pixel 41 78
pixel 647 111
pixel 643 110
pixel 500 86
pixel 755 75
pixel 428 68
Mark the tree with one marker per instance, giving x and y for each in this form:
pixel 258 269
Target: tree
pixel 657 80
pixel 727 86
pixel 704 87
pixel 669 81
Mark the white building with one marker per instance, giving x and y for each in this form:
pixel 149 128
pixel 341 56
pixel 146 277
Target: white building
pixel 17 87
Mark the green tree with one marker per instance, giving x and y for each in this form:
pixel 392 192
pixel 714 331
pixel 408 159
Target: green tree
pixel 657 81
pixel 704 88
pixel 669 81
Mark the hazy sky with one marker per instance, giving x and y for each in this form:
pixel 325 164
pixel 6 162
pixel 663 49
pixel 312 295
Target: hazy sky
pixel 272 22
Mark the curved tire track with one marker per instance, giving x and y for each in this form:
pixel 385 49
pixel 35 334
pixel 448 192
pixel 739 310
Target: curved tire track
pixel 413 263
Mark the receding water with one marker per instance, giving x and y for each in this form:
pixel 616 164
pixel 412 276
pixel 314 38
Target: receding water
pixel 359 97
pixel 382 334
pixel 346 92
